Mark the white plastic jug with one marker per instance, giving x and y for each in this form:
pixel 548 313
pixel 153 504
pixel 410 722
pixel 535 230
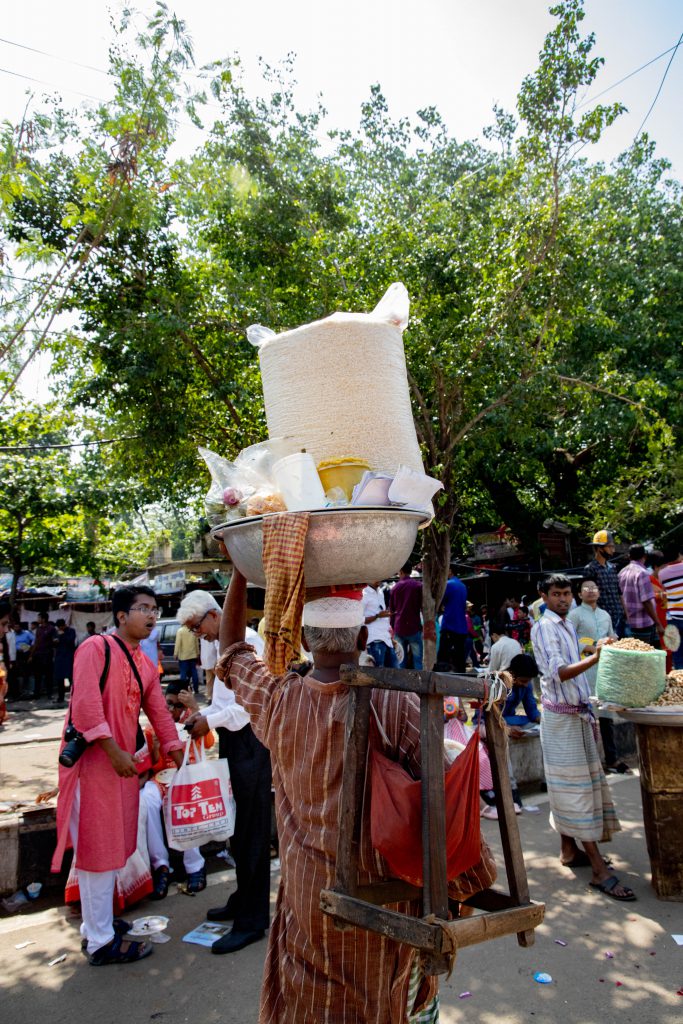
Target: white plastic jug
pixel 298 482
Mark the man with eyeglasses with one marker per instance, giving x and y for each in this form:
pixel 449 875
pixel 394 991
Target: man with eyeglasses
pixel 97 811
pixel 250 775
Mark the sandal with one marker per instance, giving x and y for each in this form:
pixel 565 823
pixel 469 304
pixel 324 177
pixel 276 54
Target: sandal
pixel 121 926
pixel 161 879
pixel 608 887
pixel 112 953
pixel 582 860
pixel 196 881
pixel 619 769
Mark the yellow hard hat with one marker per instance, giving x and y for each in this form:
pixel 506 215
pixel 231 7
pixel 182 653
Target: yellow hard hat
pixel 603 537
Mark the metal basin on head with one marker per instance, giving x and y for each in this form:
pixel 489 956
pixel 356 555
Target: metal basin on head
pixel 343 545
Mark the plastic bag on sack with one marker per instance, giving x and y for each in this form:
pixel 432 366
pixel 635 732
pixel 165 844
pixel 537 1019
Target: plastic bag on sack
pixel 199 806
pixel 630 679
pixel 396 815
pixel 232 486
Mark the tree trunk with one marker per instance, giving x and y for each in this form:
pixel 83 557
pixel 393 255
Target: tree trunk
pixel 435 564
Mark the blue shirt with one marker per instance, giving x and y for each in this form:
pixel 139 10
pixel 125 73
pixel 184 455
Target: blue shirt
pixel 24 639
pixel 454 603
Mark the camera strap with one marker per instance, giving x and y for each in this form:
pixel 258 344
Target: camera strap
pixel 103 677
pixel 140 739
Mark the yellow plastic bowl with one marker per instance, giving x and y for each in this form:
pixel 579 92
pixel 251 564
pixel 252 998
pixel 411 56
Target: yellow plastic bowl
pixel 344 473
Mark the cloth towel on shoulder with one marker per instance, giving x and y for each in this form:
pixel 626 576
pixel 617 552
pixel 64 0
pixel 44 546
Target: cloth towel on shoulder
pixel 284 537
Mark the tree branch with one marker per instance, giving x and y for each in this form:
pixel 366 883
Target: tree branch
pixel 210 373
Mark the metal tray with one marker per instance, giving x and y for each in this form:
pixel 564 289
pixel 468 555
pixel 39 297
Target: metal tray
pixel 670 716
pixel 343 545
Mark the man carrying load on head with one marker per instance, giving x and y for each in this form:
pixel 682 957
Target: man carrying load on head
pixel 314 972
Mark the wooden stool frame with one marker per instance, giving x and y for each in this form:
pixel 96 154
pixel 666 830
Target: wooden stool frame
pixel 363 906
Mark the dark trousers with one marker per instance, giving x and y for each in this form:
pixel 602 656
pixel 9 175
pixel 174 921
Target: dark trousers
pixel 608 744
pixel 188 673
pixel 42 665
pixel 250 775
pixel 452 649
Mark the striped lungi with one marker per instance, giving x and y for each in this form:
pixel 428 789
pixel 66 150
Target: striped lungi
pixel 580 801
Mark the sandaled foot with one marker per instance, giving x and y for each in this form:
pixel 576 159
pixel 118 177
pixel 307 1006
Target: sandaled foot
pixel 580 859
pixel 196 881
pixel 613 888
pixel 120 951
pixel 620 768
pixel 121 926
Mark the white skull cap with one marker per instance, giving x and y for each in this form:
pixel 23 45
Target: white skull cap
pixel 334 613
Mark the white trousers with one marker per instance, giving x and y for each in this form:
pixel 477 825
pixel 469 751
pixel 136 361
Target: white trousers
pixel 150 794
pixel 97 892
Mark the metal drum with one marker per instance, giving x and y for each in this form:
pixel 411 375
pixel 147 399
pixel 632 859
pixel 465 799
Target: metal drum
pixel 343 545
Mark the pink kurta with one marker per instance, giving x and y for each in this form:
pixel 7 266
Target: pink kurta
pixel 108 822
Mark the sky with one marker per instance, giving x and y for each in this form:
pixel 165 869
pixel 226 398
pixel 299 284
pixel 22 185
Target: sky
pixel 461 56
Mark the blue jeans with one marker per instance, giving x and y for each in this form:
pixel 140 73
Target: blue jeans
pixel 414 645
pixel 188 673
pixel 525 694
pixel 383 655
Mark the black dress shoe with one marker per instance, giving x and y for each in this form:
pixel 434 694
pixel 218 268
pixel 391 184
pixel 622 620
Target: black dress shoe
pixel 224 913
pixel 234 940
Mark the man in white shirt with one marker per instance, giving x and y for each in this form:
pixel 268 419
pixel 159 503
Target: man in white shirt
pixel 379 645
pixel 250 775
pixel 503 648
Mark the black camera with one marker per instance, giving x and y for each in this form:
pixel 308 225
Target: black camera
pixel 75 744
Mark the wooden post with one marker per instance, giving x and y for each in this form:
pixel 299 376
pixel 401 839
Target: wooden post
pixel 435 881
pixel 496 741
pixel 353 782
pixel 661 786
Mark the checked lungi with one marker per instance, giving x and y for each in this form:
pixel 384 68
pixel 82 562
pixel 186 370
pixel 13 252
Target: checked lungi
pixel 580 801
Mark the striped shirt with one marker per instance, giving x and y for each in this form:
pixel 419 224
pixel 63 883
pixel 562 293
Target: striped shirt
pixel 315 974
pixel 556 644
pixel 636 588
pixel 671 578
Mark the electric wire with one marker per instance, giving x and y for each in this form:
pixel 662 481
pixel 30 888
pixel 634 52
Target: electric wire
pixel 661 86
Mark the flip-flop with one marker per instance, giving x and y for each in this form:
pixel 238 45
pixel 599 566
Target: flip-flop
pixel 608 887
pixel 619 769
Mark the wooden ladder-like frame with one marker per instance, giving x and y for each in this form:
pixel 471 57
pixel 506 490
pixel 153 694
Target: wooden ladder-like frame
pixel 496 913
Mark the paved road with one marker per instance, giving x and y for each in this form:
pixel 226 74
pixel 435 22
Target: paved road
pixel 182 983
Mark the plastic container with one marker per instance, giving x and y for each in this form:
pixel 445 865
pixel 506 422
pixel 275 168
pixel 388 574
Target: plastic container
pixel 297 480
pixel 344 473
pixel 374 491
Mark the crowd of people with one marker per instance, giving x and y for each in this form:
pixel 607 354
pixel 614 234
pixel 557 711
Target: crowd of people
pixel 277 731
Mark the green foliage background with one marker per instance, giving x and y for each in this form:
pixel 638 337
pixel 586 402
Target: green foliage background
pixel 544 347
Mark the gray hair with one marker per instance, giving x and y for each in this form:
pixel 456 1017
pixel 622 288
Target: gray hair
pixel 196 604
pixel 332 640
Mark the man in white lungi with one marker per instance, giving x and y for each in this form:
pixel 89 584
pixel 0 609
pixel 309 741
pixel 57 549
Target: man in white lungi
pixel 581 807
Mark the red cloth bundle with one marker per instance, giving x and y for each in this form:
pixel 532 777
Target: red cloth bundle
pixel 396 818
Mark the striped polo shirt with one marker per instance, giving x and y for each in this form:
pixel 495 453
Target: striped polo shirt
pixel 671 578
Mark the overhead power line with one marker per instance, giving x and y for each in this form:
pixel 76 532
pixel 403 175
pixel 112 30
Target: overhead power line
pixel 592 99
pixel 54 56
pixel 661 86
pixel 74 444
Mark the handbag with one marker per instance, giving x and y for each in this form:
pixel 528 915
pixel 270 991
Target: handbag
pixel 199 806
pixel 396 814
